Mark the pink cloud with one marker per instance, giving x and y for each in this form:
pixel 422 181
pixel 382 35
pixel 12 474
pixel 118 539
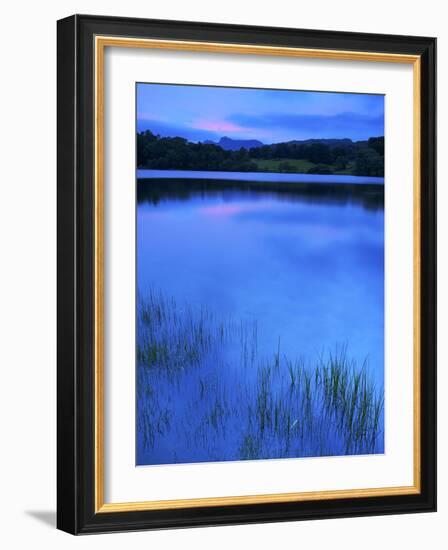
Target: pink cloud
pixel 219 126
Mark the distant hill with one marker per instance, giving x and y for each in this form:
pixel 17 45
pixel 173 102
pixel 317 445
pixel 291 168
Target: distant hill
pixel 229 144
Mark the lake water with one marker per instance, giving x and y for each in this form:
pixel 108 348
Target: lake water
pixel 258 176
pixel 296 275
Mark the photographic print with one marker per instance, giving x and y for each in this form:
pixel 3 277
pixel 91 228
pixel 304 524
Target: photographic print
pixel 260 274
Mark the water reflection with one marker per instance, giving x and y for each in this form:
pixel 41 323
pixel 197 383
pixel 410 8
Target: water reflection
pixel 369 196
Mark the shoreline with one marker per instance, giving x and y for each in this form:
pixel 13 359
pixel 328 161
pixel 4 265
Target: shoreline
pixel 259 177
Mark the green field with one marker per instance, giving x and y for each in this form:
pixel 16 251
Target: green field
pixel 282 165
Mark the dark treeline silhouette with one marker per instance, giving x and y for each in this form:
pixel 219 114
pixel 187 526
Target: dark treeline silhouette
pixel 326 156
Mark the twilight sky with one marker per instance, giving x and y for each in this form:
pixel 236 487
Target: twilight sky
pixel 198 113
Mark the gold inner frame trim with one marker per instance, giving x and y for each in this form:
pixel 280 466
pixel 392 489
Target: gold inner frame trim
pixel 101 42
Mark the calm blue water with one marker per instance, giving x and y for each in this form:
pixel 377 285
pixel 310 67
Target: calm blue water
pixel 257 176
pixel 307 271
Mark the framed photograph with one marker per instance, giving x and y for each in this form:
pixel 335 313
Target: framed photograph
pixel 246 274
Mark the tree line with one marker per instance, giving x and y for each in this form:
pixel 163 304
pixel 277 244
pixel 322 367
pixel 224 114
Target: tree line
pixel 363 158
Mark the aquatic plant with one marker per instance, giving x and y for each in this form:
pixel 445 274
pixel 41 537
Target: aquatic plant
pixel 206 393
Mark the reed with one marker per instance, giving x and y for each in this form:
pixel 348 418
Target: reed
pixel 204 389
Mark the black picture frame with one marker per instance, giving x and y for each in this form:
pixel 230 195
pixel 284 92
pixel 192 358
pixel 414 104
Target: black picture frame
pixel 76 512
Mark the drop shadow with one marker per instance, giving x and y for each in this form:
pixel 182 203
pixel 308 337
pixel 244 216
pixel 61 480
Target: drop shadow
pixel 47 517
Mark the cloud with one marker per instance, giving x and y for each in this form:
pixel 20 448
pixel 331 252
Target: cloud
pixel 302 126
pixel 271 127
pixel 166 129
pixel 202 129
pixel 220 126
